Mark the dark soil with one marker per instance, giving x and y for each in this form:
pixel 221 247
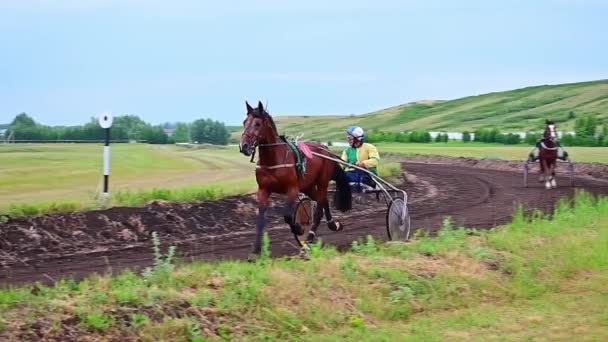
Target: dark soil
pixel 48 247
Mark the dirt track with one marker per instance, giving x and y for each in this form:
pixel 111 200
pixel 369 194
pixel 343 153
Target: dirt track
pixel 48 247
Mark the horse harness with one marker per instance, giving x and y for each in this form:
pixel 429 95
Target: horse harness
pixel 544 147
pixel 300 164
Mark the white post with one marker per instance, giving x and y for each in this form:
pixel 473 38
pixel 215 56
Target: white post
pixel 105 121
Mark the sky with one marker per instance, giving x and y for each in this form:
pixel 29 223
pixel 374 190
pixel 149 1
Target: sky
pixel 65 61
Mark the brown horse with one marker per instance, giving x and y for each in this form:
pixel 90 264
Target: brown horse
pixel 547 155
pixel 276 173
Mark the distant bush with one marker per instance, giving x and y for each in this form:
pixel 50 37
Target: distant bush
pixel 418 136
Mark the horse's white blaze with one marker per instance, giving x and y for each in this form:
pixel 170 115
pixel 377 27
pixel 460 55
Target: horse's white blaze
pixel 552 131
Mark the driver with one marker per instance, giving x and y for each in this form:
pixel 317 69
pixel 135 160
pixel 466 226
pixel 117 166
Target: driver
pixel 359 153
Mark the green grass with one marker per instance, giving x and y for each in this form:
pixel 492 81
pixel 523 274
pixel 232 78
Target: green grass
pixel 535 279
pixel 48 178
pixel 56 177
pixel 510 111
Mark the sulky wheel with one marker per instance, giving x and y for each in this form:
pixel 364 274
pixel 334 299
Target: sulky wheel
pixel 398 221
pixel 571 173
pixel 304 216
pixel 526 170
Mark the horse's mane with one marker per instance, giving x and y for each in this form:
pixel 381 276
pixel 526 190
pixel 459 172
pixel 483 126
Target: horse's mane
pixel 265 115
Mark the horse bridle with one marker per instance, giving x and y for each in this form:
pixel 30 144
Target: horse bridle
pixel 255 143
pixel 552 139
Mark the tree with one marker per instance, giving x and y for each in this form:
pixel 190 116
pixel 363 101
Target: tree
pixel 493 135
pixel 23 120
pixel 466 137
pixel 439 137
pixel 580 127
pixel 132 125
pixel 181 133
pixel 209 131
pixel 591 126
pixel 154 135
pixel 532 138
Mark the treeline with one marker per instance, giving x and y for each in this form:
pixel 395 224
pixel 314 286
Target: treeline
pixel 202 131
pixel 492 136
pixel 587 131
pixel 415 137
pixel 124 128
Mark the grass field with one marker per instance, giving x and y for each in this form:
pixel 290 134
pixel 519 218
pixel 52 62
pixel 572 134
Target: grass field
pixel 58 177
pixel 47 173
pixel 496 151
pixel 517 110
pixel 535 279
pixel 37 178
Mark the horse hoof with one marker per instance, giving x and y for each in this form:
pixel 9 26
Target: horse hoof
pixel 312 238
pixel 548 185
pixel 553 183
pixel 335 226
pixel 304 254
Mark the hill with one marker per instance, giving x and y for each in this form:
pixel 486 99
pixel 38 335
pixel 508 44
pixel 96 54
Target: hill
pixel 517 110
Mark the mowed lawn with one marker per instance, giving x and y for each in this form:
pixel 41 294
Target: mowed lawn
pixel 477 150
pixel 31 173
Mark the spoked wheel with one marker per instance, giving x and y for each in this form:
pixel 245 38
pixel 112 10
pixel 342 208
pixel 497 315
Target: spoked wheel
pixel 304 216
pixel 571 173
pixel 398 221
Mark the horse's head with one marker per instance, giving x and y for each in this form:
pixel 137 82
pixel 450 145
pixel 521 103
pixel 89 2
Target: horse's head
pixel 550 131
pixel 258 127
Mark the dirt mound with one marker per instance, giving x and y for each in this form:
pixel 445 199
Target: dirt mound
pixel 594 171
pixel 471 192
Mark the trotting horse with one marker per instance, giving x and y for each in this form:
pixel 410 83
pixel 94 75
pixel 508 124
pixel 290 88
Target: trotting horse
pixel 547 155
pixel 276 173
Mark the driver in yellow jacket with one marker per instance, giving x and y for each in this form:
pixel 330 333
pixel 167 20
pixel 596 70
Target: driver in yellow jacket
pixel 359 153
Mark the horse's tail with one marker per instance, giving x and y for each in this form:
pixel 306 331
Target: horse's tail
pixel 343 199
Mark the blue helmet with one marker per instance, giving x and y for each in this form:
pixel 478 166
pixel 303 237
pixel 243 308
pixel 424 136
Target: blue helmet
pixel 356 132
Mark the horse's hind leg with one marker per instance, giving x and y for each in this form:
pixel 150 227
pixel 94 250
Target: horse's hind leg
pixel 320 197
pixel 318 215
pixel 292 197
pixel 335 226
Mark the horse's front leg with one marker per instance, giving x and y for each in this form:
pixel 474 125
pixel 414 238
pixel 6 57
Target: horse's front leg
pixel 262 200
pixel 553 180
pixel 541 177
pixel 547 174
